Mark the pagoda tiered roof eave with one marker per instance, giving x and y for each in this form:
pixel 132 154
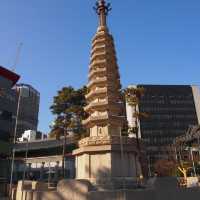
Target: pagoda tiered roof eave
pixel 98 63
pixel 105 40
pixel 102 106
pixel 97 93
pixel 98 71
pixel 97 82
pixel 104 119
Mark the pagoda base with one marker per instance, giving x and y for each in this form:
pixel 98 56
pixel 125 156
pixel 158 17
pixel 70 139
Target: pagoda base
pixel 106 163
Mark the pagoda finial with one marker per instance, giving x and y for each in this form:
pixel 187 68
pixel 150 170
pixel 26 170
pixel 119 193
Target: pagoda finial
pixel 102 8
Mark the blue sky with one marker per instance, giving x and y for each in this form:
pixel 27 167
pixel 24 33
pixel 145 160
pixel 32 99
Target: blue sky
pixel 157 42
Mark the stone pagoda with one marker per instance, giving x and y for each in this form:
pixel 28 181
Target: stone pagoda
pixel 105 158
pixel 105 107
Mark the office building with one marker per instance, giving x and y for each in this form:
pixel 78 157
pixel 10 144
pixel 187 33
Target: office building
pixel 171 109
pixel 7 116
pixel 8 101
pixel 29 99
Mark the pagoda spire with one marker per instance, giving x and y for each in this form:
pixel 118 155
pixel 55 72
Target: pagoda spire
pixel 102 9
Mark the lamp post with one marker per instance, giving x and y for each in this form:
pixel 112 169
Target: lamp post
pixel 149 166
pixel 65 128
pixel 63 153
pixel 14 142
pixel 24 172
pixel 26 155
pixel 49 174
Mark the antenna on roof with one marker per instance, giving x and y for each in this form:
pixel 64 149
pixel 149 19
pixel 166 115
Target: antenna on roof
pixel 17 56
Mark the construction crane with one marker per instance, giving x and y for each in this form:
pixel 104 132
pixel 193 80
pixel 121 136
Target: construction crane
pixel 17 56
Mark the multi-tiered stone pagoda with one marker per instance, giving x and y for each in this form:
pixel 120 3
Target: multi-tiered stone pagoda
pixel 105 107
pixel 105 157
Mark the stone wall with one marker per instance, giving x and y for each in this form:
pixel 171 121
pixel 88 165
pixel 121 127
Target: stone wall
pixel 162 189
pixel 184 194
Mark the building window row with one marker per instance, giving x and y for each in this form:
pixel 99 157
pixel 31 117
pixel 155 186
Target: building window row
pixel 157 141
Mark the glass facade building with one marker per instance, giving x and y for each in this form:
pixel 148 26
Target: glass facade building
pixel 7 117
pixel 171 110
pixel 8 100
pixel 29 99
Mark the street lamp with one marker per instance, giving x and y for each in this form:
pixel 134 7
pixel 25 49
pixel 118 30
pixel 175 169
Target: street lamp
pixel 14 142
pixel 65 128
pixel 63 153
pixel 24 170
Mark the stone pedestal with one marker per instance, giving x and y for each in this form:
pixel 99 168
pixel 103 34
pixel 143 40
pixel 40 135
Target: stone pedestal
pixel 103 162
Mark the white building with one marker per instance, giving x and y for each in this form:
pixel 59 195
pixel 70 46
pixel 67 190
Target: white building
pixel 28 135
